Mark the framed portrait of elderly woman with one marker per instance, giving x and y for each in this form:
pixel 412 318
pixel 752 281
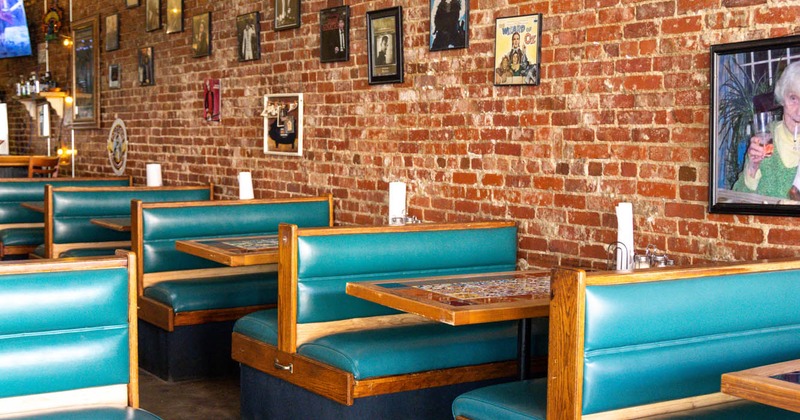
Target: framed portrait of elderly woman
pixel 283 124
pixel 385 46
pixel 755 127
pixel 517 50
pixel 85 73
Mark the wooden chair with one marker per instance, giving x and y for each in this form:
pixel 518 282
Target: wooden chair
pixel 43 167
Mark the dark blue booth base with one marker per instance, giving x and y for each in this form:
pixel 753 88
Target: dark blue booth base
pixel 189 352
pixel 267 397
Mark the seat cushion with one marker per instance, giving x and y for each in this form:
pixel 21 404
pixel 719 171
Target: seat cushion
pixel 93 413
pixel 30 236
pixel 91 252
pixel 216 292
pixel 39 250
pixel 261 325
pixel 509 401
pixel 742 409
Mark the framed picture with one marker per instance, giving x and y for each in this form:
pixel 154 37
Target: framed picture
pixel 113 76
pixel 385 45
pixel 43 116
pixel 449 24
pixel 287 14
pixel 517 50
pixel 212 99
pixel 201 35
pixel 146 67
pixel 283 124
pixel 248 33
pixel 131 3
pixel 334 30
pixel 85 72
pixel 152 9
pixel 112 32
pixel 755 127
pixel 174 16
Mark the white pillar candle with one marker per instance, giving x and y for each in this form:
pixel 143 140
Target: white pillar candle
pixel 245 186
pixel 153 175
pixel 397 200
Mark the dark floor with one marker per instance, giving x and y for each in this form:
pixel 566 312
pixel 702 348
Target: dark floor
pixel 216 398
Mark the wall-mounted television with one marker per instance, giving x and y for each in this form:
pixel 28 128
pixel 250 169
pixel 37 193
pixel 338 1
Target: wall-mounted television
pixel 15 39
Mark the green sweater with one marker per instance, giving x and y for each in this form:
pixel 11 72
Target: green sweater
pixel 776 179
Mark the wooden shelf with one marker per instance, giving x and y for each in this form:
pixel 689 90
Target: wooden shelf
pixel 56 100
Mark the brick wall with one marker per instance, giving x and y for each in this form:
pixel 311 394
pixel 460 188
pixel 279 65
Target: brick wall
pixel 621 115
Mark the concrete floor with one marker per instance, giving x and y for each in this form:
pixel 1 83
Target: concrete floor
pixel 216 399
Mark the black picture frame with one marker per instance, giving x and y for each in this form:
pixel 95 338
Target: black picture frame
pixel 744 90
pixel 518 37
pixel 449 25
pixel 287 14
pixel 152 13
pixel 112 32
pixel 174 16
pixel 201 35
pixel 146 67
pixel 385 45
pixel 248 36
pixel 334 34
pixel 114 76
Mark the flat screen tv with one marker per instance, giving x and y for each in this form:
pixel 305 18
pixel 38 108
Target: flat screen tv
pixel 15 40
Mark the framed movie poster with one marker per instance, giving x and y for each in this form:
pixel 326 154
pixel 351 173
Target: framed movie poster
pixel 152 12
pixel 517 50
pixel 113 76
pixel 283 124
pixel 755 127
pixel 86 70
pixel 146 67
pixel 449 24
pixel 334 29
pixel 287 14
pixel 385 45
pixel 212 99
pixel 201 35
pixel 174 16
pixel 248 33
pixel 112 32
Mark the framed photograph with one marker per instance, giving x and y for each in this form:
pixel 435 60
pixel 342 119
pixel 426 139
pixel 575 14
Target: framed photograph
pixel 385 45
pixel 152 11
pixel 113 76
pixel 43 116
pixel 755 127
pixel 449 24
pixel 146 67
pixel 201 35
pixel 212 99
pixel 248 33
pixel 517 50
pixel 283 124
pixel 174 16
pixel 334 30
pixel 287 14
pixel 131 3
pixel 112 32
pixel 85 73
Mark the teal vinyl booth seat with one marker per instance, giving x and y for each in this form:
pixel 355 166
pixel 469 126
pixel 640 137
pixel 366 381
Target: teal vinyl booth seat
pixel 22 229
pixel 655 343
pixel 337 356
pixel 188 304
pixel 68 231
pixel 68 339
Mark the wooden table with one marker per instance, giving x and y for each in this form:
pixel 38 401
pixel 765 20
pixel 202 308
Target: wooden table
pixel 37 206
pixel 776 385
pixel 468 299
pixel 119 224
pixel 234 252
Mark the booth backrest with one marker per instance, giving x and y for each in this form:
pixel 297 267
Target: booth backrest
pixel 66 331
pixel 14 191
pixel 657 336
pixel 158 225
pixel 316 264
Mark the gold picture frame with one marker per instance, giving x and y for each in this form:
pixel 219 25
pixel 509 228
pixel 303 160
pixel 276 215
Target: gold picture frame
pixel 85 73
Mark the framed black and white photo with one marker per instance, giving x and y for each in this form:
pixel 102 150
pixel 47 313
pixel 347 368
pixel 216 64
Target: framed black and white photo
pixel 113 76
pixel 449 24
pixel 201 35
pixel 152 12
pixel 283 124
pixel 174 16
pixel 287 14
pixel 112 32
pixel 385 45
pixel 131 3
pixel 248 34
pixel 755 127
pixel 334 30
pixel 517 50
pixel 146 67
